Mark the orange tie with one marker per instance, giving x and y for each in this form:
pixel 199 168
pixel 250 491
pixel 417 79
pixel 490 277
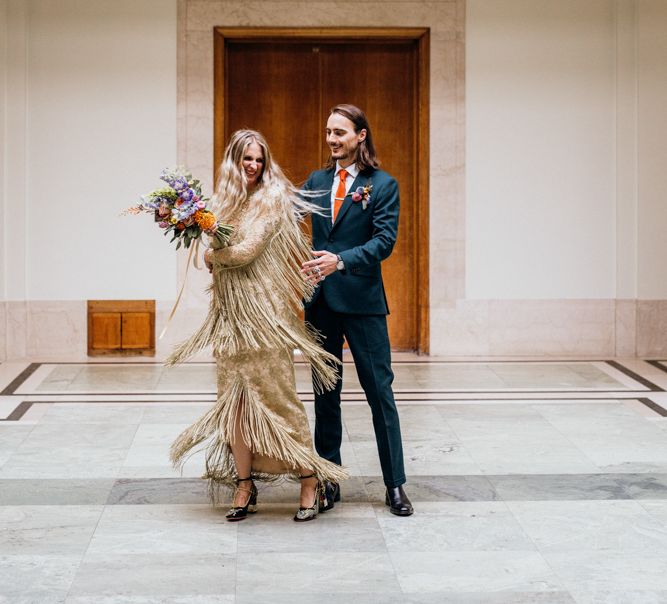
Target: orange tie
pixel 340 194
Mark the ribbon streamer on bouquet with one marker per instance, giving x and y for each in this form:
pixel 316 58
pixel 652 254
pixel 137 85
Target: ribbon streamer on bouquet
pixel 194 249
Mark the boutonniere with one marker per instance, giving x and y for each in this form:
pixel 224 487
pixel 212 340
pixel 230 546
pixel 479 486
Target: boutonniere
pixel 363 195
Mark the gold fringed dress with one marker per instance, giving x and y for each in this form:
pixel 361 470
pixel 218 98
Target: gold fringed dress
pixel 253 328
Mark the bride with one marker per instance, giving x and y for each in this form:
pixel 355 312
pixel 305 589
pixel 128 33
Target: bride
pixel 258 429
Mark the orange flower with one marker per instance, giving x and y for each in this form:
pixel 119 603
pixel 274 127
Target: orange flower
pixel 180 226
pixel 206 220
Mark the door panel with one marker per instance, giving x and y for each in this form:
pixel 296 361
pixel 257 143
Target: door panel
pixel 270 88
pixel 380 78
pixel 286 89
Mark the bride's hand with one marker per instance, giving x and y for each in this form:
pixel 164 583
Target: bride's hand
pixel 208 260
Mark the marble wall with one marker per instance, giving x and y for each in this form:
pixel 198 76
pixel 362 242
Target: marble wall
pixel 197 18
pixel 603 318
pixel 459 326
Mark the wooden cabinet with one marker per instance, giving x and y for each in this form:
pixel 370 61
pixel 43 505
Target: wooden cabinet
pixel 121 327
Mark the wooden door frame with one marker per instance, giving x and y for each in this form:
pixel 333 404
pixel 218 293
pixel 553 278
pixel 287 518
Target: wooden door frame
pixel 421 36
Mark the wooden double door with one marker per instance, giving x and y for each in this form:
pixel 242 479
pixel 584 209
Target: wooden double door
pixel 284 88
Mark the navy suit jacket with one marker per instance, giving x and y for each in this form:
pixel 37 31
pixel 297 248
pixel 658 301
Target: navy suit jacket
pixel 363 238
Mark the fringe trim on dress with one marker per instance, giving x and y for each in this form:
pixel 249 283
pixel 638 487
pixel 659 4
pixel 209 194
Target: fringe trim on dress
pixel 247 313
pixel 265 433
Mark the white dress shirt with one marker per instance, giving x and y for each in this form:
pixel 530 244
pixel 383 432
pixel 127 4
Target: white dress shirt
pixel 352 172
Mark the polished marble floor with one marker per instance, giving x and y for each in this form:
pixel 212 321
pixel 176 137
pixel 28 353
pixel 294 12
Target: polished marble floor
pixel 533 481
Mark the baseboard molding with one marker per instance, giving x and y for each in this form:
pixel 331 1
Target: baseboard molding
pixel 489 328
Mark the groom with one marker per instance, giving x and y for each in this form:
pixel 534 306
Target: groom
pixel 356 234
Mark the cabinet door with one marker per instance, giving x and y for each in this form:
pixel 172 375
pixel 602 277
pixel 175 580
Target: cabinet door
pixel 106 331
pixel 136 330
pixel 121 327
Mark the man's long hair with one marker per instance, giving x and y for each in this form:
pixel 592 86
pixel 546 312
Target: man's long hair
pixel 366 156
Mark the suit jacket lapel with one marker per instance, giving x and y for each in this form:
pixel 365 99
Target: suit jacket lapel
pixel 347 202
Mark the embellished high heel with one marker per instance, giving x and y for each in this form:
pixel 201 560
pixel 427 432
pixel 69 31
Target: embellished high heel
pixel 240 513
pixel 306 514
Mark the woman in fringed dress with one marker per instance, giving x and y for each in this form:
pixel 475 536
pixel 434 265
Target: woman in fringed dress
pixel 258 428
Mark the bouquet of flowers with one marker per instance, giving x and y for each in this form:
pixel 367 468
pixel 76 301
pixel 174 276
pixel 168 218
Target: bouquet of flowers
pixel 180 209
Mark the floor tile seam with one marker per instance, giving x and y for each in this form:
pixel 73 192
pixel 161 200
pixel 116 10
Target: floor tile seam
pixel 79 564
pixel 127 450
pixel 642 503
pixel 16 450
pixel 569 440
pixel 545 550
pixel 510 388
pixel 356 463
pixel 472 456
pixel 377 517
pixel 2 465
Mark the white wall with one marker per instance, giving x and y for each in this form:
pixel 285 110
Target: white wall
pixel 95 113
pixel 652 149
pixel 540 119
pixel 3 116
pixel 565 213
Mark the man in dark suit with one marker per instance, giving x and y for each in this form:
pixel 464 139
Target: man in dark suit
pixel 356 234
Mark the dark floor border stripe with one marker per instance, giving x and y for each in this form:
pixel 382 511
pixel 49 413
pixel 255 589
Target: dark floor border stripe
pixel 24 406
pixel 349 362
pixel 15 384
pixel 397 393
pixel 615 364
pixel 635 376
pixel 653 406
pixel 18 413
pixel 659 364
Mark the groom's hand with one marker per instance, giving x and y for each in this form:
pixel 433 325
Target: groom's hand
pixel 323 265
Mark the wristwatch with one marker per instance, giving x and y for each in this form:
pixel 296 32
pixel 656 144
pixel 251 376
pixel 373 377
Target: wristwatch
pixel 340 265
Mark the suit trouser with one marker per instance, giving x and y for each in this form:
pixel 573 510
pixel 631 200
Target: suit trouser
pixel 368 340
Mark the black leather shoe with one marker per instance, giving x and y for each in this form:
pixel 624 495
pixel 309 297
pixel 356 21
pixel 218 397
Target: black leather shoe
pixel 398 502
pixel 330 495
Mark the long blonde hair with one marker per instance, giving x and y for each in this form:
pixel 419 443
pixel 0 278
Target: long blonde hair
pixel 231 190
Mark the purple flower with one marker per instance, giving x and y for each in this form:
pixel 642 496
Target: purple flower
pixel 187 194
pixel 180 184
pixel 356 196
pixel 167 177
